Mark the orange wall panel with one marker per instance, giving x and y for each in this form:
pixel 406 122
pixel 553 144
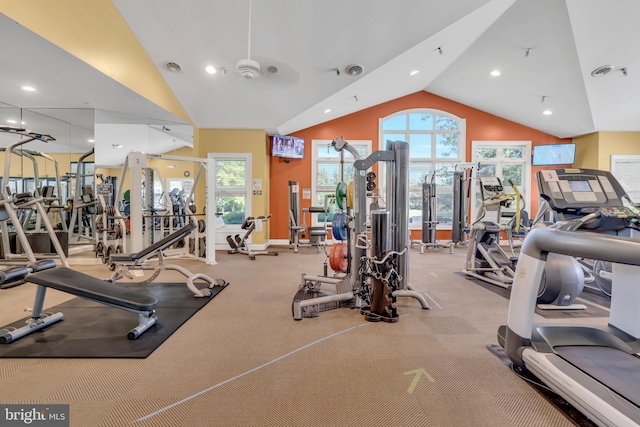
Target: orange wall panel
pixel 480 126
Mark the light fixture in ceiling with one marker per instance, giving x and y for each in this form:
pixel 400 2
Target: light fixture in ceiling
pixel 11 121
pixel 547 112
pixel 495 73
pixel 117 145
pixel 328 110
pixel 601 71
pixel 210 69
pixel 248 68
pixel 29 88
pixel 174 67
pixel 414 72
pixel 354 69
pixel 91 140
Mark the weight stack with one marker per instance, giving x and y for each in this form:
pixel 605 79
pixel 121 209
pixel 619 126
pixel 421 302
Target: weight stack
pixel 382 298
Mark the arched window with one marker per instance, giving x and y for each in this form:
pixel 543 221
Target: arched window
pixel 437 141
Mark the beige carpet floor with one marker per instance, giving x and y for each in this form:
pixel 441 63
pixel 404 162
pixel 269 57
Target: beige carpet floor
pixel 243 361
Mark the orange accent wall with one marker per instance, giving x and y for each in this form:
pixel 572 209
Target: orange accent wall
pixel 363 124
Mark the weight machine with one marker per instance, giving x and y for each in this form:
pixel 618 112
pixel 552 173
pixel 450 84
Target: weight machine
pixel 462 187
pixel 429 220
pixel 377 259
pixel 141 202
pixel 298 222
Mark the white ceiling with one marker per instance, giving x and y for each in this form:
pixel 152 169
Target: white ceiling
pixel 453 44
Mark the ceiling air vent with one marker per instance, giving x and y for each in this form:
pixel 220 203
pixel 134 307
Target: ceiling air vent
pixel 174 67
pixel 601 71
pixel 354 69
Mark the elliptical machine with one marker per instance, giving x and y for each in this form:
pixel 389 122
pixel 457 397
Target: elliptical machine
pixel 562 280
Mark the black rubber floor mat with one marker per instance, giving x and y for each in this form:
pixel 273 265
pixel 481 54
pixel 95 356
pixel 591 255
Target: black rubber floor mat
pixel 92 330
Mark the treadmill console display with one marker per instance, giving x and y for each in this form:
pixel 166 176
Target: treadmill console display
pixel 578 192
pixel 578 186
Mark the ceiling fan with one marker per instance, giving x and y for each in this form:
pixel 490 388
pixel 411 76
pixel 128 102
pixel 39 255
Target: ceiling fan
pixel 248 67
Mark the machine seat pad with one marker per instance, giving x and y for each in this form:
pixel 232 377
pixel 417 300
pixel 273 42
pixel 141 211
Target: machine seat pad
pixel 73 282
pixel 43 264
pixel 161 244
pixel 317 231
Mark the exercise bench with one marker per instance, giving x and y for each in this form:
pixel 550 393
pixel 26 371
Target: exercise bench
pixel 82 285
pixel 122 263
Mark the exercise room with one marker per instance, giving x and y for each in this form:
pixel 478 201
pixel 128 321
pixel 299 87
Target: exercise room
pixel 285 213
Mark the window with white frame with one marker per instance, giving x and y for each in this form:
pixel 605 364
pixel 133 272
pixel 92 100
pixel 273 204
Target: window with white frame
pixel 508 160
pixel 437 142
pixel 329 168
pixel 232 190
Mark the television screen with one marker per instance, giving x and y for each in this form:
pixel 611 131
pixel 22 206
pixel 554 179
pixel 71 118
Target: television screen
pixel 290 147
pixel 555 154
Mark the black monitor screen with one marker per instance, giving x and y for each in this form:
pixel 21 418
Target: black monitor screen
pixel 555 154
pixel 287 146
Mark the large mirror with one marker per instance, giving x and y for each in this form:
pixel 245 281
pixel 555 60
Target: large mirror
pixel 86 157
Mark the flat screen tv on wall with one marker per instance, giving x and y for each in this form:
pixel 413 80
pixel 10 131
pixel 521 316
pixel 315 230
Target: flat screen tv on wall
pixel 289 147
pixel 554 154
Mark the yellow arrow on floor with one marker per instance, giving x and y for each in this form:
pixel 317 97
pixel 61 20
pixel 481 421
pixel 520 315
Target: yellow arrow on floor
pixel 418 373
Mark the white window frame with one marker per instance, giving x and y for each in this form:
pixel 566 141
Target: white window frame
pixel 316 144
pixel 526 170
pixel 416 220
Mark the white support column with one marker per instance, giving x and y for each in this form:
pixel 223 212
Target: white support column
pixel 211 212
pixel 136 162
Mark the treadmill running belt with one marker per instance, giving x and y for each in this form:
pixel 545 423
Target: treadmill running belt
pixel 614 368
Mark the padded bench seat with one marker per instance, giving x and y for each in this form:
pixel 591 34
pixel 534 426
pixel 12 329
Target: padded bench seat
pixel 154 248
pixel 73 282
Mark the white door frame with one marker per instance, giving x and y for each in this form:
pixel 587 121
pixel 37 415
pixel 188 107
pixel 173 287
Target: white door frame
pixel 212 245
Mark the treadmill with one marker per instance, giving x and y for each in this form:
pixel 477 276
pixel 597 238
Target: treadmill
pixel 595 368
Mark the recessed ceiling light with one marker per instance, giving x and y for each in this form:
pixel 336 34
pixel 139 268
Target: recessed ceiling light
pixel 414 72
pixel 11 121
pixel 91 140
pixel 211 69
pixel 29 88
pixel 328 110
pixel 547 112
pixel 495 73
pixel 116 145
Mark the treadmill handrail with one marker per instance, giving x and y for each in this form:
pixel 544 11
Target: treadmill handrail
pixel 621 250
pixel 533 254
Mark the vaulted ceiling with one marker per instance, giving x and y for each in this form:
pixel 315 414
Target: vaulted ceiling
pixel 545 50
